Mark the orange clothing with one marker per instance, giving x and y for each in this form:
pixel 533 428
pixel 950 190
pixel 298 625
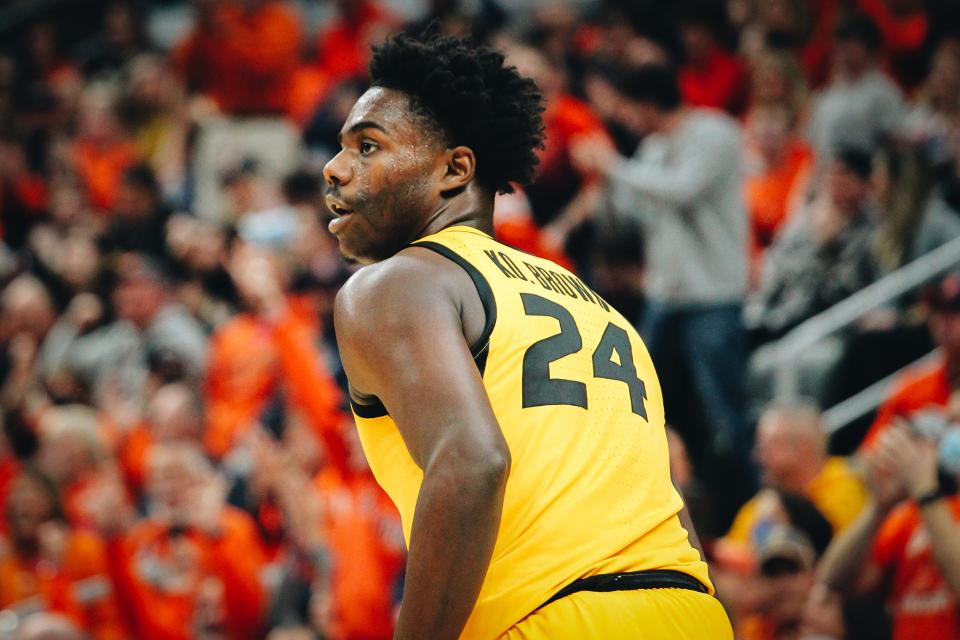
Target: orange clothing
pixel 815 55
pixel 524 234
pixel 900 33
pixel 165 583
pixel 719 83
pixel 921 387
pixel 343 48
pixel 564 119
pixel 756 627
pixel 9 468
pixel 245 60
pixel 75 497
pixel 101 168
pixel 250 358
pixel 768 194
pixel 26 194
pixel 78 587
pixel 308 88
pixel 133 457
pixel 922 603
pixel 365 537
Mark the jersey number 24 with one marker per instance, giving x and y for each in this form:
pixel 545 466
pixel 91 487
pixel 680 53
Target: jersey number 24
pixel 539 389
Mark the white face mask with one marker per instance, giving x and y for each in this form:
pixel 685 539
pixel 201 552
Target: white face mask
pixel 949 450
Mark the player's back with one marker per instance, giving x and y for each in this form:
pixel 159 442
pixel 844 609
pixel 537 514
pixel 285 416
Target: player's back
pixel 579 404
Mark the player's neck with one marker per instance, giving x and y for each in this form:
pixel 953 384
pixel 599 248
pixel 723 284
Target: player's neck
pixel 471 207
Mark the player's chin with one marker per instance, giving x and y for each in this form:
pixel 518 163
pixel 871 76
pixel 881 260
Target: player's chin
pixel 355 252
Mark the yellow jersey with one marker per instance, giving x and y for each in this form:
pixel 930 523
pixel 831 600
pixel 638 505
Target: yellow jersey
pixel 577 398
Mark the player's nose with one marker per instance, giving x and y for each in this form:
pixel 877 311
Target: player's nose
pixel 337 170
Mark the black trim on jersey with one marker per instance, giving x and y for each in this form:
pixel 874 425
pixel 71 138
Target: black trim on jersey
pixel 480 349
pixel 374 409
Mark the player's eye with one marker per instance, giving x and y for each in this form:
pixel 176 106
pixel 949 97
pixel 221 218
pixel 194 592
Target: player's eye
pixel 367 147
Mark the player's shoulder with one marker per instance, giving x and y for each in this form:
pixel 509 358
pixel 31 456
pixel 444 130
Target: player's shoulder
pixel 405 284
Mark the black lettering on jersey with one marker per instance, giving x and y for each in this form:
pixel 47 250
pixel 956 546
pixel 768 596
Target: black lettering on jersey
pixel 496 261
pixel 513 265
pixel 581 288
pixel 560 285
pixel 538 274
pixel 601 301
pixel 539 389
pixel 615 339
pixel 612 360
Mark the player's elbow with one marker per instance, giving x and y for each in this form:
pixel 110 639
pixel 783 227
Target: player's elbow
pixel 488 471
pixel 481 471
pixel 496 467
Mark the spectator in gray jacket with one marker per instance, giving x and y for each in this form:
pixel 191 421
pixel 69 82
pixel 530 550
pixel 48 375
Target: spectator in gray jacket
pixel 684 187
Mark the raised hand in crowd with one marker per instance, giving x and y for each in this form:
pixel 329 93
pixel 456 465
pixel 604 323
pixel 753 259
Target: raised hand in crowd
pixel 255 275
pixel 107 501
pixel 908 457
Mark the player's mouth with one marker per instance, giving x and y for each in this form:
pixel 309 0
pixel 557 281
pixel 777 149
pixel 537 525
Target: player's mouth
pixel 341 212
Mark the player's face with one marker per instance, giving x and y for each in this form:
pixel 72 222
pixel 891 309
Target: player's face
pixel 383 184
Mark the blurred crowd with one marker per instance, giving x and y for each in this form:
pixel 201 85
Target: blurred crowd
pixel 177 457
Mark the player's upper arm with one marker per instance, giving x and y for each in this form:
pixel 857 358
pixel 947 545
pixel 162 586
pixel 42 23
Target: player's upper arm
pixel 401 339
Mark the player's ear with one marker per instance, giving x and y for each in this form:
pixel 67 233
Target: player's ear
pixel 461 166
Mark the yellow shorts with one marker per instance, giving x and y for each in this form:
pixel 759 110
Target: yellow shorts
pixel 644 614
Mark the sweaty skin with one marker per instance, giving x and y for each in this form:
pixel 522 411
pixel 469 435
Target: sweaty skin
pixel 404 327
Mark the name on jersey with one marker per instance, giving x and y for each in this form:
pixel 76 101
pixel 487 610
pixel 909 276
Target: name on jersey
pixel 562 283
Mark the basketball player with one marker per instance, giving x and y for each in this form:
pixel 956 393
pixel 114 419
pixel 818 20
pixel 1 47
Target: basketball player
pixel 511 414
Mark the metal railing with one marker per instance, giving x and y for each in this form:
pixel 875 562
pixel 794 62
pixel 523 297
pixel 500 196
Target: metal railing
pixel 841 315
pixel 863 402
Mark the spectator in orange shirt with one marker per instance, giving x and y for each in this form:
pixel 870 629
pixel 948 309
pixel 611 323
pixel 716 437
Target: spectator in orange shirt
pixel 102 149
pixel 192 567
pixel 363 525
pixel 562 193
pixel 243 54
pixel 253 353
pixel 173 414
pixel 908 551
pixel 347 528
pixel 49 567
pixel 565 117
pixel 927 386
pixel 777 165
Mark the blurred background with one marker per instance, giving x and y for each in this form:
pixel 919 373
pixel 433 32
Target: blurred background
pixel 768 189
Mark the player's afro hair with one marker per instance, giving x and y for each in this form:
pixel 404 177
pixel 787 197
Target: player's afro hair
pixel 472 98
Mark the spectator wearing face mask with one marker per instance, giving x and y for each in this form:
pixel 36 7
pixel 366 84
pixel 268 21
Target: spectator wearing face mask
pixel 904 544
pixel 931 385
